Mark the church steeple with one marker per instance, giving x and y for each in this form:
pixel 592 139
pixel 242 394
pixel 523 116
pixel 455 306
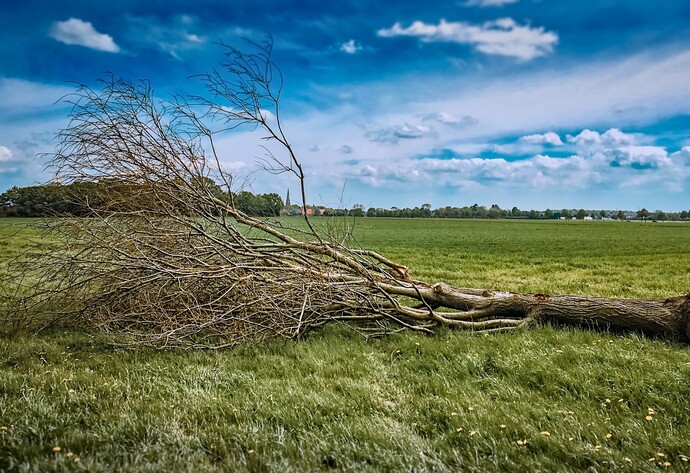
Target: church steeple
pixel 287 199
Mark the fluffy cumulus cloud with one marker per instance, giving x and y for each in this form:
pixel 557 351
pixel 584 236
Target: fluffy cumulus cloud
pixel 351 47
pixel 538 172
pixel 397 133
pixel 549 138
pixel 9 163
pixel 82 33
pixel 611 138
pixel 5 154
pixel 682 157
pixel 610 158
pixel 639 157
pixel 502 37
pixel 488 3
pixel 454 121
pixel 267 115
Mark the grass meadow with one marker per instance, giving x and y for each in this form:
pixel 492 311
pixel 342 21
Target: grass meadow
pixel 546 399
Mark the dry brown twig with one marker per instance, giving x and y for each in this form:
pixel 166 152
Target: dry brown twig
pixel 168 260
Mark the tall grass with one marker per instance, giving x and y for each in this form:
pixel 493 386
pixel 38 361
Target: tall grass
pixel 541 400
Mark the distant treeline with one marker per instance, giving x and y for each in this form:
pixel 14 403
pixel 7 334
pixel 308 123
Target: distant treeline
pixel 78 198
pixel 494 212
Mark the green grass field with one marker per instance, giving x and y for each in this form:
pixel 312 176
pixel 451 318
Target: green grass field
pixel 542 400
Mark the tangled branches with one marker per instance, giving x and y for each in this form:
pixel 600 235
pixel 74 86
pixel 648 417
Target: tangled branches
pixel 168 260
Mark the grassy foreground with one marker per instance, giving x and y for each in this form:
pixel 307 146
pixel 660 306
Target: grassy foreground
pixel 546 399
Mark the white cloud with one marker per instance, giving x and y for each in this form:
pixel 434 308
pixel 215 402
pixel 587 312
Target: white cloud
pixel 82 33
pixel 614 93
pixel 174 37
pixel 682 156
pixel 381 172
pixel 488 3
pixel 267 115
pixel 640 156
pixel 502 37
pixel 539 171
pixel 549 138
pixel 351 47
pixel 193 38
pixel 608 160
pixel 346 149
pixel 401 132
pixel 585 137
pixel 612 137
pixel 449 120
pixel 5 154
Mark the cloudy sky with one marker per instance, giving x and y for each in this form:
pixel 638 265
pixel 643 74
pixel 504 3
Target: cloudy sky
pixel 534 103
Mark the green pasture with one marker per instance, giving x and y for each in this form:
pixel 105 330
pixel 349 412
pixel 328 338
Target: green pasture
pixel 546 399
pixel 594 258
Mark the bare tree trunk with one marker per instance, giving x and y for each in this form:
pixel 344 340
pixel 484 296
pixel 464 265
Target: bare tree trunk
pixel 664 317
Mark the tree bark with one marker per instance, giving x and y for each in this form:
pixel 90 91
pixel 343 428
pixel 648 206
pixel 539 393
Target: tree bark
pixel 669 318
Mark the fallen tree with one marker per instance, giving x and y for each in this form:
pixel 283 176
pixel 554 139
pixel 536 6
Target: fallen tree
pixel 169 260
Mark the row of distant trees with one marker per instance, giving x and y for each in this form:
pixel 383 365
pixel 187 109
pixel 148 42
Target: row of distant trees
pixel 496 212
pixel 78 198
pixel 74 199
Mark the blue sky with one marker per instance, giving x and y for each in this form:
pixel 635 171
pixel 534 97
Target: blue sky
pixel 534 103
